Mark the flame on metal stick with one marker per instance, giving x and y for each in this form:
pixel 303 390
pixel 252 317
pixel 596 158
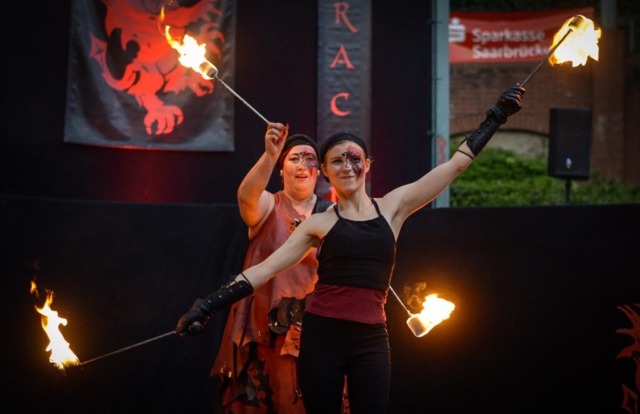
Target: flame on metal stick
pixel 61 354
pixel 434 309
pixel 192 55
pixel 578 45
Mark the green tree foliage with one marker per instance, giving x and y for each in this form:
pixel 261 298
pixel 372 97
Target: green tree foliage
pixel 500 177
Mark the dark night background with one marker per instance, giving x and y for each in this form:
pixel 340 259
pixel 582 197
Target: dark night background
pixel 127 239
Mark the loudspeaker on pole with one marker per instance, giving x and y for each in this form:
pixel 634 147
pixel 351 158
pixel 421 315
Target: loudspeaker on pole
pixel 569 143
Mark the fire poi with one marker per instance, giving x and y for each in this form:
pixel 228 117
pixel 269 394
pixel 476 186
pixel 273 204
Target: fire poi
pixel 575 42
pixel 192 55
pixel 435 310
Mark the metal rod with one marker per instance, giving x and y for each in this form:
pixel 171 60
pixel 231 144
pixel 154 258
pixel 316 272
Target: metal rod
pixel 399 300
pixel 128 347
pixel 239 97
pixel 546 57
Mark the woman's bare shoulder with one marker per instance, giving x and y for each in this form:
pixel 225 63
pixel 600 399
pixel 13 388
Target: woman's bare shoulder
pixel 319 224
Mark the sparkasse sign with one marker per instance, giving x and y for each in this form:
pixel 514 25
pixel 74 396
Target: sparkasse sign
pixel 505 37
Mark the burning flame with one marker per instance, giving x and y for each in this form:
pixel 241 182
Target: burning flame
pixel 192 55
pixel 435 310
pixel 576 40
pixel 61 354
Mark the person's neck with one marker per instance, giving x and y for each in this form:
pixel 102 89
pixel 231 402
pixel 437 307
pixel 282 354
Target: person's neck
pixel 302 204
pixel 354 203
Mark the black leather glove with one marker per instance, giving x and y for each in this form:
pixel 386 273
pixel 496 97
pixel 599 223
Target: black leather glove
pixel 194 321
pixel 509 102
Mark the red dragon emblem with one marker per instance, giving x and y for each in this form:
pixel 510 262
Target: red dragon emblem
pixel 136 57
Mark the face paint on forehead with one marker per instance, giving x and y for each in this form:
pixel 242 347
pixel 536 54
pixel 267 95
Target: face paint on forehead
pixel 355 148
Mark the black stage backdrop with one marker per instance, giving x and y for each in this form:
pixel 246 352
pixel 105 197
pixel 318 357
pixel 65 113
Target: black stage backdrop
pixel 537 290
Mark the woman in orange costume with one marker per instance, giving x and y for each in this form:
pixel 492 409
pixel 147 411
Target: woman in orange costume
pixel 259 349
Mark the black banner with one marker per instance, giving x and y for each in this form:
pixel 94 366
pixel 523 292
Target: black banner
pixel 127 87
pixel 344 72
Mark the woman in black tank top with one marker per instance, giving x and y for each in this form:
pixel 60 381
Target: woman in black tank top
pixel 345 336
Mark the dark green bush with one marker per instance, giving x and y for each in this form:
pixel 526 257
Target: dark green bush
pixel 501 177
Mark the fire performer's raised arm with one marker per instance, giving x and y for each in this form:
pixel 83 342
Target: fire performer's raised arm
pixel 254 201
pixel 508 104
pixel 405 200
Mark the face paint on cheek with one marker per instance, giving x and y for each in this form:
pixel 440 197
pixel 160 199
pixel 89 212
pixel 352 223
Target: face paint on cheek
pixel 354 158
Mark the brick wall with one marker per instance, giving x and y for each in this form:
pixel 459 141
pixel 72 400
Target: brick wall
pixel 600 85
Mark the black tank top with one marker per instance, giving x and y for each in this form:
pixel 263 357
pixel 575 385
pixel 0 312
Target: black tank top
pixel 358 253
pixel 321 205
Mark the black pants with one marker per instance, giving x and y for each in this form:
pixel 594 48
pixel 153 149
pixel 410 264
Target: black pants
pixel 331 349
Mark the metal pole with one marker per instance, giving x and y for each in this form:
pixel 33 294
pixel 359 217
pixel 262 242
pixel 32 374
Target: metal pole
pixel 239 97
pixel 399 300
pixel 440 98
pixel 127 348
